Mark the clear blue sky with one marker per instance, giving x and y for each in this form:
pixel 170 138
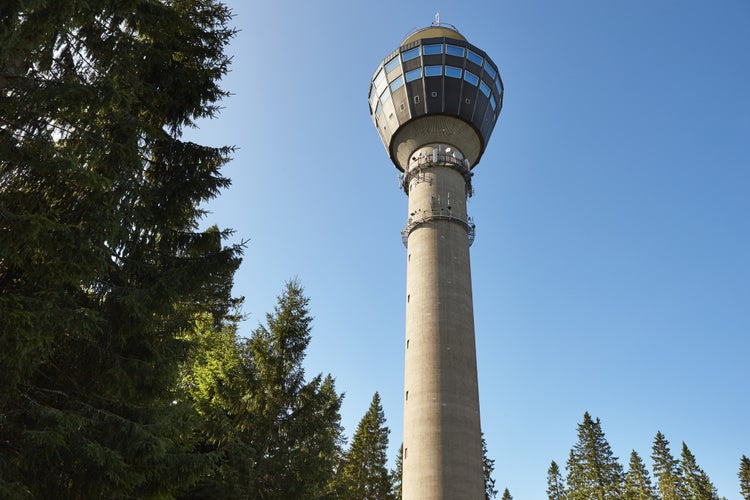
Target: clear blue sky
pixel 610 267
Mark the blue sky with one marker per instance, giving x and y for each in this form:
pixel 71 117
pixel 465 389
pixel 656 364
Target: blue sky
pixel 610 267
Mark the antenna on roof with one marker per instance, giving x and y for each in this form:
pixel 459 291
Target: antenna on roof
pixel 437 18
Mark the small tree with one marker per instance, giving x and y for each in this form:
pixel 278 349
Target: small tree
pixel 397 474
pixel 744 475
pixel 488 467
pixel 555 483
pixel 593 472
pixel 365 473
pixel 667 470
pixel 637 481
pixel 507 495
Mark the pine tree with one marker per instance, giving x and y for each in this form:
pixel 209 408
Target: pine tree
pixel 637 481
pixel 697 484
pixel 102 265
pixel 294 426
pixel 744 475
pixel 593 472
pixel 365 471
pixel 488 467
pixel 507 495
pixel 667 470
pixel 397 474
pixel 555 483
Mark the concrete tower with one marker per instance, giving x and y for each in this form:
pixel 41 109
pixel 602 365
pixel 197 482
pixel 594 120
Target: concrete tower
pixel 434 102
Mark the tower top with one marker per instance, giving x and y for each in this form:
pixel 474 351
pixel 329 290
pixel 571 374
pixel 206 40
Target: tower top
pixel 435 88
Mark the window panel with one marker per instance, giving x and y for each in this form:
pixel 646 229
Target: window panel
pixel 397 83
pixel 492 102
pixel 433 71
pixel 392 64
pixel 454 50
pixel 429 50
pixel 484 88
pixel 489 70
pixel 385 95
pixel 410 54
pixel 453 71
pixel 471 77
pixel 499 86
pixel 413 74
pixel 474 57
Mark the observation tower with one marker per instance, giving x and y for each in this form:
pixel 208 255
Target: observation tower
pixel 435 101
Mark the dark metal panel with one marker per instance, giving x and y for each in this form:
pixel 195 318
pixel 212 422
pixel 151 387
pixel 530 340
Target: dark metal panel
pixel 415 90
pixel 452 95
pixel 434 94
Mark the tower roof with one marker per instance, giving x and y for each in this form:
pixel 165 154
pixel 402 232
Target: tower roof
pixel 433 31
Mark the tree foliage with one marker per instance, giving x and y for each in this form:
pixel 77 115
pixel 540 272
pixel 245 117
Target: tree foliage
pixel 397 474
pixel 637 481
pixel 102 265
pixel 507 495
pixel 698 486
pixel 488 467
pixel 555 483
pixel 744 475
pixel 593 472
pixel 365 473
pixel 667 470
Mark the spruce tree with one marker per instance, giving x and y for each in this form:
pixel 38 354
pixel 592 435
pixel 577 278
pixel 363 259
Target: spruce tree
pixel 637 481
pixel 507 495
pixel 697 484
pixel 744 475
pixel 488 467
pixel 293 425
pixel 669 479
pixel 593 472
pixel 555 483
pixel 397 474
pixel 365 473
pixel 102 264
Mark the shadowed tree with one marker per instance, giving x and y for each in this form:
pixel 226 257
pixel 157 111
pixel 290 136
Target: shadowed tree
pixel 507 495
pixel 593 472
pixel 397 473
pixel 667 470
pixel 293 425
pixel 555 483
pixel 637 481
pixel 365 472
pixel 102 264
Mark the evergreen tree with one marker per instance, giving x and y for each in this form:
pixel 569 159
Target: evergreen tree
pixel 637 481
pixel 294 426
pixel 102 265
pixel 744 475
pixel 667 470
pixel 365 473
pixel 488 467
pixel 507 495
pixel 555 483
pixel 593 472
pixel 697 484
pixel 397 474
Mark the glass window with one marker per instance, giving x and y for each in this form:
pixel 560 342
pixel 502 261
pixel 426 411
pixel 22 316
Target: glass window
pixel 484 88
pixel 492 102
pixel 499 86
pixel 475 58
pixel 454 50
pixel 471 77
pixel 378 110
pixel 410 54
pixel 379 78
pixel 385 95
pixel 433 71
pixel 429 50
pixel 397 83
pixel 453 72
pixel 489 69
pixel 392 64
pixel 413 74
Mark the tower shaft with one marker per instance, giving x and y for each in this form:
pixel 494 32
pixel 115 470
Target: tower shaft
pixel 442 436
